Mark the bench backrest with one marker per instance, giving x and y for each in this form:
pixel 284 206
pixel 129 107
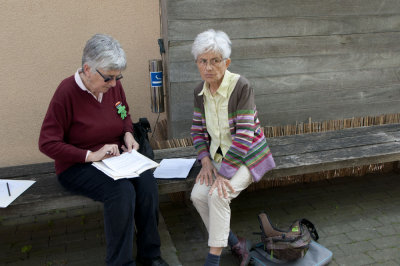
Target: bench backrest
pixel 326 60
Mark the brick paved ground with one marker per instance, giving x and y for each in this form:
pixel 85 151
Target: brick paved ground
pixel 74 237
pixel 358 219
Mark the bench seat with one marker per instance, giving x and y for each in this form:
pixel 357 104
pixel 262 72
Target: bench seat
pixel 310 153
pixel 294 155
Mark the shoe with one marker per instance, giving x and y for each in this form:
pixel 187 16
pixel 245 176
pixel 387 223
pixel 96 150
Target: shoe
pixel 242 251
pixel 157 261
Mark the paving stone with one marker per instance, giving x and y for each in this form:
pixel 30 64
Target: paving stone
pixel 336 229
pixel 168 249
pixel 386 242
pixel 372 204
pixel 335 240
pixel 333 263
pixel 386 263
pixel 365 223
pixel 196 262
pixel 336 251
pixel 382 255
pixel 190 253
pixel 357 247
pixel 387 230
pixel 354 260
pixel 389 218
pixel 362 235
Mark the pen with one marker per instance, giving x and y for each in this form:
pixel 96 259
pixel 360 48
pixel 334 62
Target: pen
pixel 8 188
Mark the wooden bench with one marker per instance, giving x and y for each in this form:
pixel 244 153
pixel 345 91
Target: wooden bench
pixel 294 155
pixel 310 153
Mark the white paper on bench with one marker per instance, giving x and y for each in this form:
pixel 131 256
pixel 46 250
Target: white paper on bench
pixel 17 187
pixel 174 168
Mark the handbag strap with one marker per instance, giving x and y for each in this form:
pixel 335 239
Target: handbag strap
pixel 311 228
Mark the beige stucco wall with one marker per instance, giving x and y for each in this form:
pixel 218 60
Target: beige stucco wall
pixel 41 43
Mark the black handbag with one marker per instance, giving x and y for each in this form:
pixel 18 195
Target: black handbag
pixel 140 130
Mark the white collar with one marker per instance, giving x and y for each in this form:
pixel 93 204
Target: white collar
pixel 79 81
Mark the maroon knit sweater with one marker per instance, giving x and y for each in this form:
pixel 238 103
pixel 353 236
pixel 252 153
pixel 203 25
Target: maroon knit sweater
pixel 76 122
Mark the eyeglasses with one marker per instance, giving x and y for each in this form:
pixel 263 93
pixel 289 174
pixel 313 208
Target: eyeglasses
pixel 109 78
pixel 212 62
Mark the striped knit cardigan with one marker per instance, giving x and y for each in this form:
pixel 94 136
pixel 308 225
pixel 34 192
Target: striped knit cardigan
pixel 249 146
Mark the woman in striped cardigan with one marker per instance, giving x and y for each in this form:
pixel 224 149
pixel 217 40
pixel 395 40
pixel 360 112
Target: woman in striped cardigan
pixel 229 141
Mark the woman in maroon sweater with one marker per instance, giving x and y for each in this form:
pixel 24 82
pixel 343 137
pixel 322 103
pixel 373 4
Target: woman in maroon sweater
pixel 83 125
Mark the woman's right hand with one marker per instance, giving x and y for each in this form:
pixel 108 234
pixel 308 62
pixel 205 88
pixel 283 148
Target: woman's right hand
pixel 107 151
pixel 206 173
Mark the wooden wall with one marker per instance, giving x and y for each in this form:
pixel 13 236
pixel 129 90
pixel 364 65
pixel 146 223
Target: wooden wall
pixel 324 59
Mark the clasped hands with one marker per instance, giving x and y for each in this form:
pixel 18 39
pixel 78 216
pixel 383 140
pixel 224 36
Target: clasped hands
pixel 206 176
pixel 110 150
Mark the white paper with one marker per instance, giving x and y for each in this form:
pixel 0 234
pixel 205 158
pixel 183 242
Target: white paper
pixel 17 187
pixel 128 163
pixel 174 168
pixel 111 173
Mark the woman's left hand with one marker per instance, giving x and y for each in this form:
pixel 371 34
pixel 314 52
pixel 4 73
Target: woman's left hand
pixel 130 143
pixel 221 183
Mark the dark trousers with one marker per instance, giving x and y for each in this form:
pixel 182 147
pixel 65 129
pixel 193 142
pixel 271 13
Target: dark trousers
pixel 126 202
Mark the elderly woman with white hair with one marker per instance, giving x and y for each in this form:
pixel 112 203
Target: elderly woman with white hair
pixel 88 120
pixel 229 141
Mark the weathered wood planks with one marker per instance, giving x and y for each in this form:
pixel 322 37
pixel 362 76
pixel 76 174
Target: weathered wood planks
pixel 320 59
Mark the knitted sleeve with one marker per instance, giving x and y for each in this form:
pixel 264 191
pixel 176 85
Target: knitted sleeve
pixel 55 124
pixel 198 130
pixel 243 118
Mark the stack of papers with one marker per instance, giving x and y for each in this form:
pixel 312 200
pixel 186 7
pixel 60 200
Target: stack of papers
pixel 126 165
pixel 174 168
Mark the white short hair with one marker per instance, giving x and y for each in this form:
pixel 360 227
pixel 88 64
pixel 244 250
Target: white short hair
pixel 211 40
pixel 105 52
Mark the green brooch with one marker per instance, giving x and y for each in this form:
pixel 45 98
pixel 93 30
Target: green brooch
pixel 121 109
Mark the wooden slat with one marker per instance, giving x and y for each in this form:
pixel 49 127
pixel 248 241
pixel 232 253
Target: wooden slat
pixel 283 100
pixel 333 111
pixel 267 67
pixel 364 79
pixel 182 152
pixel 284 26
pixel 320 98
pixel 26 170
pixel 253 48
pixel 326 145
pixel 340 80
pixel 214 9
pixel 341 158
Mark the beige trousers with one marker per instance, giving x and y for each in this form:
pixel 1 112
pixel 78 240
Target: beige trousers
pixel 215 211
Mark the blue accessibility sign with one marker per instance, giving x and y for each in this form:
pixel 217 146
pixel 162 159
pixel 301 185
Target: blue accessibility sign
pixel 156 79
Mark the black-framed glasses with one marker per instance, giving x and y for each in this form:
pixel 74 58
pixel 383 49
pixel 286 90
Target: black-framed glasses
pixel 109 78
